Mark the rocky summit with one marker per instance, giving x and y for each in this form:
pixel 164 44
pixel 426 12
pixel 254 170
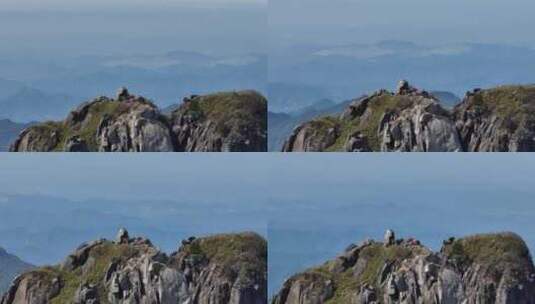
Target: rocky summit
pixel 486 268
pixel 412 120
pixel 219 269
pixel 221 122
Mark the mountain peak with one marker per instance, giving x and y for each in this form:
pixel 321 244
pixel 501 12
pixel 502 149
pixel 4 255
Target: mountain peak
pixel 495 267
pixel 226 121
pixel 413 120
pixel 225 268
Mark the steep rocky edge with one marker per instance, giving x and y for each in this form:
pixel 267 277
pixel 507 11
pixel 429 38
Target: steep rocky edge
pixel 228 121
pixel 486 268
pixel 412 120
pixel 498 119
pixel 227 268
pixel 9 131
pixel 10 267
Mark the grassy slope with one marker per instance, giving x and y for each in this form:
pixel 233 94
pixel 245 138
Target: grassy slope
pixel 494 252
pixel 103 255
pixel 246 250
pixel 228 109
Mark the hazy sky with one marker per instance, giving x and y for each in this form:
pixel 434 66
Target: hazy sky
pixel 74 28
pixel 171 175
pixel 68 4
pixel 201 177
pixel 353 21
pixel 316 204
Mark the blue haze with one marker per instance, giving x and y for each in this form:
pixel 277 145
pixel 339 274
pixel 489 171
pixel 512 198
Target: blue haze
pixel 313 205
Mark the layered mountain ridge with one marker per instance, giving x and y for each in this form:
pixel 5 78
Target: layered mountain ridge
pixel 9 130
pixel 485 268
pixel 10 267
pixel 412 120
pixel 225 268
pixel 226 121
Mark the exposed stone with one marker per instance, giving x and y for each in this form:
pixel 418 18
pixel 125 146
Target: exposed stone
pixel 137 272
pixel 76 144
pixel 464 271
pixel 408 121
pixel 123 94
pixel 226 122
pixel 390 238
pixel 501 119
pixel 357 142
pixel 222 122
pixel 122 236
pixel 86 294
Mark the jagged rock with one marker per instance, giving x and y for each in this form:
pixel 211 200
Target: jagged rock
pixel 390 238
pixel 410 120
pixel 38 138
pixel 489 268
pixel 357 142
pixel 501 119
pixel 229 122
pixel 122 236
pixel 188 241
pixel 220 269
pixel 424 127
pixel 403 87
pixel 76 144
pixel 79 256
pixel 123 94
pixel 86 294
pixel 235 121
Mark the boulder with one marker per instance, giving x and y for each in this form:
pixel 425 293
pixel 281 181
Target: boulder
pixel 390 238
pixel 122 236
pixel 86 294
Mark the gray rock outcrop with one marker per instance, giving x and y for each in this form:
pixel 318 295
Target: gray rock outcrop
pixel 234 121
pixel 220 269
pixel 490 268
pixel 408 121
pixel 500 119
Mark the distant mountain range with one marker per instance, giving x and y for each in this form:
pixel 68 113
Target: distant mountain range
pixel 281 125
pixel 10 267
pixel 67 223
pixel 9 131
pixel 164 78
pixel 28 104
pixel 340 72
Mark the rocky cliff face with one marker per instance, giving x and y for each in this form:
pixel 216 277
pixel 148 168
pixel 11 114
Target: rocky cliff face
pixel 221 122
pixel 233 121
pixel 9 131
pixel 219 269
pixel 411 120
pixel 491 268
pixel 498 119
